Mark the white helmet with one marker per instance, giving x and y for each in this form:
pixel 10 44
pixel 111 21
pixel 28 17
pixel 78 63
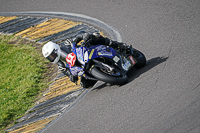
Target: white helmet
pixel 51 51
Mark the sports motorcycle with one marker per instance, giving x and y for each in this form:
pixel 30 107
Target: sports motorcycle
pixel 103 63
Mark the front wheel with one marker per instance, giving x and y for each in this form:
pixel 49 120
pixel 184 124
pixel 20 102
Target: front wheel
pixel 101 75
pixel 140 58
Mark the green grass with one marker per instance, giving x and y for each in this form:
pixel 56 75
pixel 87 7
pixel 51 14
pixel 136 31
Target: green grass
pixel 21 78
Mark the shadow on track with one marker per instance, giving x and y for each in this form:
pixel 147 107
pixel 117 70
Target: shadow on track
pixel 135 73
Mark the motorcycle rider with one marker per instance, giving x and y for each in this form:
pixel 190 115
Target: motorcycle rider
pixel 55 54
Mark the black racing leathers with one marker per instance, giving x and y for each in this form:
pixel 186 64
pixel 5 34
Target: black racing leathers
pixel 98 39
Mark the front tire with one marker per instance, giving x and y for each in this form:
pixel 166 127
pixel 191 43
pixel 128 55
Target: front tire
pixel 140 58
pixel 98 74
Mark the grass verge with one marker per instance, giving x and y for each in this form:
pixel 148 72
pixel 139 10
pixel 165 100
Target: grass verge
pixel 24 74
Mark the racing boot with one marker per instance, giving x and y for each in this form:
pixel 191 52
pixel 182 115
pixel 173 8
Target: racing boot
pixel 86 83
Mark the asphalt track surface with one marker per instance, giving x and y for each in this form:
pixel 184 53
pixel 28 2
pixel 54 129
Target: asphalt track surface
pixel 162 97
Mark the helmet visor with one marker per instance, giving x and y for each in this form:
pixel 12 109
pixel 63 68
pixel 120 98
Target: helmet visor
pixel 52 56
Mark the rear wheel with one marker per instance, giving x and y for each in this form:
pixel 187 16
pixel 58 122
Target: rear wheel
pixel 109 77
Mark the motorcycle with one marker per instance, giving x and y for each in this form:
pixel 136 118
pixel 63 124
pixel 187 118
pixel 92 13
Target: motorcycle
pixel 104 63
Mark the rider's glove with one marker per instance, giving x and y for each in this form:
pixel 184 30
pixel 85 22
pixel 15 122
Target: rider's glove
pixel 63 69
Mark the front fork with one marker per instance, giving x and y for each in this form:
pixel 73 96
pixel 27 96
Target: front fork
pixel 107 67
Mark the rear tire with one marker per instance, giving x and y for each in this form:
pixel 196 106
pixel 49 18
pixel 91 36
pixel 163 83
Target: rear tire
pixel 98 74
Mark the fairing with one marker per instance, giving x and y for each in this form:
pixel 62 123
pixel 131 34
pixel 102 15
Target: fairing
pixel 84 55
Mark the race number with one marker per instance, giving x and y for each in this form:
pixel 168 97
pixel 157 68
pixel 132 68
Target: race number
pixel 71 59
